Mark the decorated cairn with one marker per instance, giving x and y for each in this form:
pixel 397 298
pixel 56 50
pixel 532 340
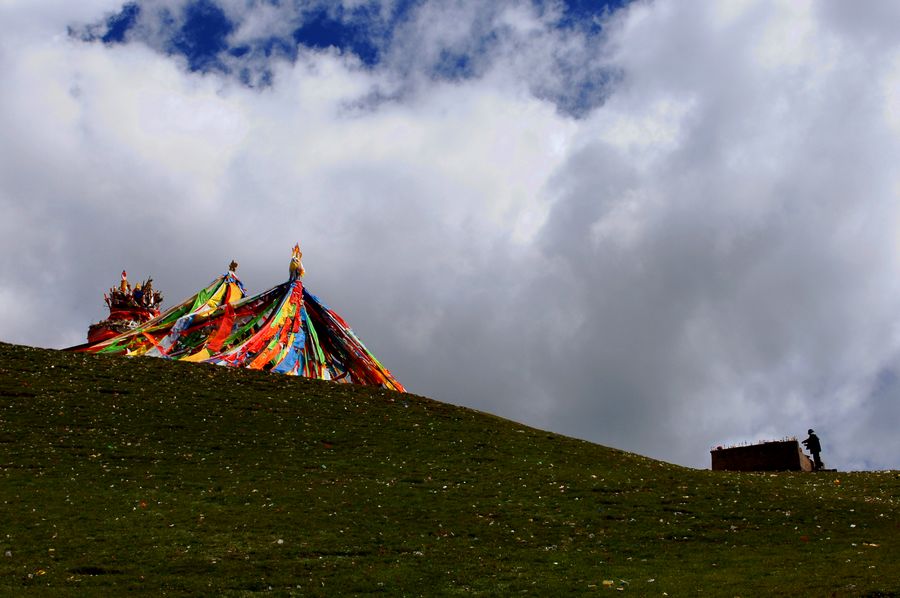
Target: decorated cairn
pixel 285 329
pixel 128 309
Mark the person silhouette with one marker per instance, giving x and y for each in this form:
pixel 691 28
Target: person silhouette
pixel 815 447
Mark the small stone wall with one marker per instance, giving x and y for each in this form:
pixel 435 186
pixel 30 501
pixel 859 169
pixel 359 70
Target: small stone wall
pixel 782 455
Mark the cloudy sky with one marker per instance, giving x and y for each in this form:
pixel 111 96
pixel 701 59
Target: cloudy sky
pixel 660 226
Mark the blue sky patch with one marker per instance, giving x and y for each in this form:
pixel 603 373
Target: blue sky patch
pixel 586 14
pixel 203 35
pixel 322 31
pixel 119 24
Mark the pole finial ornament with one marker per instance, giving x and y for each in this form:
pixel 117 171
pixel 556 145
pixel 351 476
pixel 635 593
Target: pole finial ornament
pixel 297 270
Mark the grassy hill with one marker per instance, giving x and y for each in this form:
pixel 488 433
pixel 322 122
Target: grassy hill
pixel 120 475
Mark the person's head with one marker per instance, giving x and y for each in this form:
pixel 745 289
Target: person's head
pixel 810 431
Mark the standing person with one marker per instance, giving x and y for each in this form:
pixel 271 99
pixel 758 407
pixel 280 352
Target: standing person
pixel 814 447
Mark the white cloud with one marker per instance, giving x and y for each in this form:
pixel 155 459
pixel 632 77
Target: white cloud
pixel 266 21
pixel 711 255
pixel 756 283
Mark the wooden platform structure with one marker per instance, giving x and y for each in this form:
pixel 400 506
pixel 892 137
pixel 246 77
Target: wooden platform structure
pixel 778 455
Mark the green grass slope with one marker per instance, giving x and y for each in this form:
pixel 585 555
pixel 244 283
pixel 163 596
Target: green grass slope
pixel 145 476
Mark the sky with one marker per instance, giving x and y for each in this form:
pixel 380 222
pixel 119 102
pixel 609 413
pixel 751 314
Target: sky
pixel 659 226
